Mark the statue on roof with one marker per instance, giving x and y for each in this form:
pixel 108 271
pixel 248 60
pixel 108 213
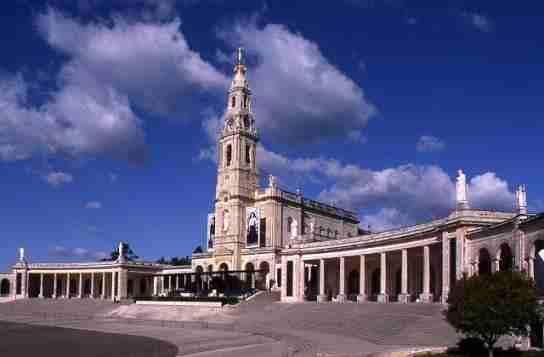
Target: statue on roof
pixel 461 190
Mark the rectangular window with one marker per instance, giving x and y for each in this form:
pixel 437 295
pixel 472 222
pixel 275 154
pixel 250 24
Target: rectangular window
pixel 289 278
pixel 262 240
pixel 279 278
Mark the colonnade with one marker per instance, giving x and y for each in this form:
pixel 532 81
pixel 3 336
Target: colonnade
pixel 103 285
pixel 166 283
pixel 411 273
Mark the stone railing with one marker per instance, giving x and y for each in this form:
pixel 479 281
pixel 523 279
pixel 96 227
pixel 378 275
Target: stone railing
pixel 293 197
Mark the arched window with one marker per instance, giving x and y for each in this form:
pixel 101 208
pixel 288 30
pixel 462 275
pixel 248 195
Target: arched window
pixel 248 153
pixel 233 101
pixel 289 222
pixel 229 154
pixel 245 101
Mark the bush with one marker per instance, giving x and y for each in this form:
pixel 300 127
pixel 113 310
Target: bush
pixel 491 306
pixel 471 346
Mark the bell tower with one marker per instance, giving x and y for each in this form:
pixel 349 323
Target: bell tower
pixel 237 176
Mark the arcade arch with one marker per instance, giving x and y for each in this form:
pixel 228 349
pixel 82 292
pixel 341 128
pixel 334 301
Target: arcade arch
pixel 5 287
pixel 484 262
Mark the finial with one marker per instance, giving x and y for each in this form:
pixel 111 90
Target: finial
pixel 240 55
pixel 121 251
pixel 521 199
pixel 272 181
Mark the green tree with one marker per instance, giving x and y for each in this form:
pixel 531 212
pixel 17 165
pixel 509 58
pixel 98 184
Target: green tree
pixel 129 254
pixel 491 306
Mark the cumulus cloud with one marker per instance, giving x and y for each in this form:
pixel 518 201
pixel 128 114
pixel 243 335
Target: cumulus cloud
pixel 111 71
pixel 300 95
pixel 427 143
pixel 58 178
pixel 93 205
pixel 391 197
pixel 81 253
pixel 150 62
pixel 479 21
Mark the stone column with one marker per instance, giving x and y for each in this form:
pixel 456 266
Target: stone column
pixel 383 297
pixel 80 295
pixel 531 267
pixel 283 278
pixel 426 296
pixel 404 297
pixel 113 281
pixel 495 265
pixel 162 284
pixel 41 286
pixel 177 282
pixel 342 286
pixel 445 267
pixel 103 295
pixel 68 285
pixel 54 286
pixel 122 284
pixel 362 280
pixel 155 285
pixel 170 283
pixel 321 297
pixel 92 285
pixel 300 279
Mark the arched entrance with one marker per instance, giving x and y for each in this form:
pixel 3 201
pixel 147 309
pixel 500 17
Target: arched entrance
pixel 506 259
pixel 4 287
pixel 143 287
pixel 538 265
pixel 249 276
pixel 484 262
pixel 262 281
pixel 198 278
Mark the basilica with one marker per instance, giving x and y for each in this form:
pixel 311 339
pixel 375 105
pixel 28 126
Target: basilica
pixel 306 249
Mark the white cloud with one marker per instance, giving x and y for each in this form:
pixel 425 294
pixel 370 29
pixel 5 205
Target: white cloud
pixel 61 251
pixel 489 191
pixel 150 62
pixel 427 143
pixel 411 20
pixel 479 21
pixel 300 95
pixel 58 178
pixel 113 177
pixel 93 205
pixel 391 197
pixel 111 71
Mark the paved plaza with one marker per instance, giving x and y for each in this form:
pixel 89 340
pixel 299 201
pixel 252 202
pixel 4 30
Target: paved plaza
pixel 262 326
pixel 24 340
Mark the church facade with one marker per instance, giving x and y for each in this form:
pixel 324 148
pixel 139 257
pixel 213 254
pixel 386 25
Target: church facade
pixel 306 249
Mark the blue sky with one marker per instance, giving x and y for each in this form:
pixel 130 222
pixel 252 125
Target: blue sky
pixel 109 111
